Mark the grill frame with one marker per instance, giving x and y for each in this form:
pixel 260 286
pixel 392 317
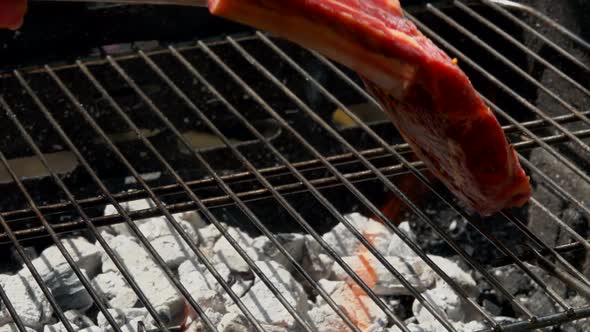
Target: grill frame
pixel 338 178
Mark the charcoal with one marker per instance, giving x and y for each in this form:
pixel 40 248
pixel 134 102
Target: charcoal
pixel 173 250
pixel 208 236
pixel 129 252
pixel 192 277
pixel 121 317
pixel 317 264
pixel 264 305
pixel 114 289
pixel 11 327
pixel 323 318
pixel 201 283
pixel 59 327
pixel 344 242
pixel 360 308
pixel 224 252
pixel 85 255
pixel 28 300
pixel 91 329
pixel 193 323
pixel 156 228
pixel 67 288
pixel 79 319
pixel 235 322
pixel 147 274
pixel 444 298
pixel 266 250
pixel 133 325
pixel 384 282
pixel 397 247
pixel 123 229
pixel 413 327
pixel 452 269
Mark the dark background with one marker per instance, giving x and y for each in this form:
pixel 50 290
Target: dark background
pixel 61 32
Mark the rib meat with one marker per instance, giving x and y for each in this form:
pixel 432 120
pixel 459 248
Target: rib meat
pixel 12 13
pixel 426 95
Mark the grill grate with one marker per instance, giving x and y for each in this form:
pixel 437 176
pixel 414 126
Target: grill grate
pixel 257 78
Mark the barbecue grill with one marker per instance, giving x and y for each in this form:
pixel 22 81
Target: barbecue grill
pixel 284 160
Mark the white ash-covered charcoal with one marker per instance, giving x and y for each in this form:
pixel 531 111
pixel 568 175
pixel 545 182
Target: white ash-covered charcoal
pixel 360 308
pixel 85 255
pixel 11 327
pixel 444 298
pixel 28 300
pixel 224 252
pixel 235 322
pixel 60 327
pixel 129 252
pixel 413 327
pixel 397 247
pixel 292 242
pixel 193 217
pixel 192 274
pixel 265 306
pixel 193 323
pixel 314 261
pixel 77 320
pixel 113 288
pixel 147 274
pixel 452 269
pixel 156 228
pixel 66 287
pixel 122 228
pixel 173 250
pixel 207 236
pixel 381 280
pixel 133 325
pixel 91 329
pixel 346 244
pixel 166 240
pixel 204 291
pixel 122 317
pixel 473 326
pixel 325 319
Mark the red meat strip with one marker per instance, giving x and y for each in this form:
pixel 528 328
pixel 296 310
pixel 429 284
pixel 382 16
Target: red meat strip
pixel 429 99
pixel 12 13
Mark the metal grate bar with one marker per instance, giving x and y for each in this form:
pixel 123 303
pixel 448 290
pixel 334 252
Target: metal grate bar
pixel 390 185
pixel 543 17
pixel 367 129
pixel 178 228
pixel 557 298
pixel 520 45
pixel 252 169
pixel 121 211
pixel 496 109
pixel 122 268
pixel 83 279
pixel 547 41
pixel 353 230
pixel 505 115
pixel 515 68
pixel 497 243
pixel 337 160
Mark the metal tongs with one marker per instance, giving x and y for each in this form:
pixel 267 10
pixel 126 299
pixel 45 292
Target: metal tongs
pixel 193 3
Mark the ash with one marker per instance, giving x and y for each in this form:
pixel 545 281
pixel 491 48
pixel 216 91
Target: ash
pixel 127 310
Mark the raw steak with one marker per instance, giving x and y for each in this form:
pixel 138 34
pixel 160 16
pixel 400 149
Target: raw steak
pixel 429 99
pixel 12 13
